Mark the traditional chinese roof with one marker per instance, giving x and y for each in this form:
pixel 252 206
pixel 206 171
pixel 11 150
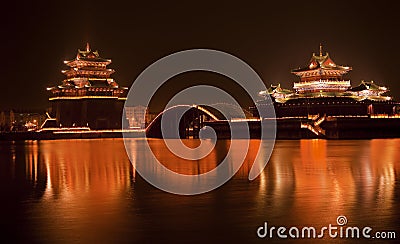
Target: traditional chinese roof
pixel 87 55
pixel 368 85
pixel 87 75
pixel 321 62
pixel 278 89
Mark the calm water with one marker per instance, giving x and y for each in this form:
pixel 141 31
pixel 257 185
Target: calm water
pixel 86 191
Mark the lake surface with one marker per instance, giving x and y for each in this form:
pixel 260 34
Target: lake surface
pixel 87 191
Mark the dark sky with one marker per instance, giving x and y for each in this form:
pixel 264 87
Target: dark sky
pixel 272 36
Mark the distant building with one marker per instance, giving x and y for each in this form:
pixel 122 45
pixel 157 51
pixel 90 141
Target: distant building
pixel 21 120
pixel 88 96
pixel 136 116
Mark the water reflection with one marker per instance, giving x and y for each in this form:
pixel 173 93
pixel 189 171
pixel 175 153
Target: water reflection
pixel 85 167
pixel 323 179
pixel 87 190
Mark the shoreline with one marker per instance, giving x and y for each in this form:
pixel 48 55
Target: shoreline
pixel 331 128
pixel 60 135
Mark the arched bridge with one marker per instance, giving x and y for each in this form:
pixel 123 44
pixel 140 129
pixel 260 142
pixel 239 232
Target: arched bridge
pixel 190 123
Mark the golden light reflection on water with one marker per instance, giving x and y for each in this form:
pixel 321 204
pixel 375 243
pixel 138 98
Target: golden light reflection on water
pixel 82 167
pixel 322 179
pixel 88 186
pixel 103 166
pixel 86 181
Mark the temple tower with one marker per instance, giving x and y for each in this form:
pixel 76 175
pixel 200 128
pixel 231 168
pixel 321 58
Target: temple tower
pixel 88 96
pixel 321 75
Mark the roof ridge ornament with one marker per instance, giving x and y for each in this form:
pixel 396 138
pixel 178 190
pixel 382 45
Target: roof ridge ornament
pixel 320 49
pixel 87 47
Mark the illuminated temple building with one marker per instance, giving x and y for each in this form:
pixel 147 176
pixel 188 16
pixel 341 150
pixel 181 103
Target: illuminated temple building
pixel 322 90
pixel 88 96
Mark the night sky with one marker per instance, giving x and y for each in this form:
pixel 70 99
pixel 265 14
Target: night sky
pixel 273 37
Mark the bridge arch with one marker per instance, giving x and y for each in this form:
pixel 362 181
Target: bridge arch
pixel 190 123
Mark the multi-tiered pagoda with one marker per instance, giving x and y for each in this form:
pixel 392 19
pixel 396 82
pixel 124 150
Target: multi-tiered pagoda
pixel 88 96
pixel 322 75
pixel 322 90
